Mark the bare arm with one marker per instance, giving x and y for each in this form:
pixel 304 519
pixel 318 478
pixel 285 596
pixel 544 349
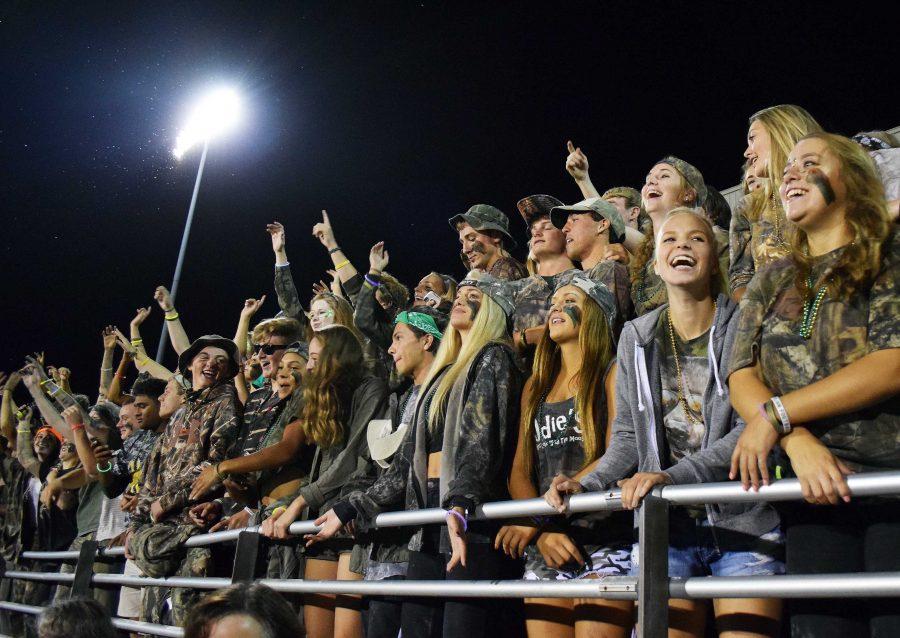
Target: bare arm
pixel 24 450
pixel 177 334
pixel 106 365
pixel 325 234
pixel 141 361
pixel 114 393
pixel 270 457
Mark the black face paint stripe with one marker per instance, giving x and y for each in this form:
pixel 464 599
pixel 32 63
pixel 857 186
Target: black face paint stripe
pixel 820 181
pixel 474 306
pixel 574 313
pixel 478 247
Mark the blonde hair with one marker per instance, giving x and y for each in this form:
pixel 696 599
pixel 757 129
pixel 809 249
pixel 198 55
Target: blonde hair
pixel 343 313
pixel 866 217
pixel 718 282
pixel 786 124
pixel 598 349
pixel 286 327
pixel 489 325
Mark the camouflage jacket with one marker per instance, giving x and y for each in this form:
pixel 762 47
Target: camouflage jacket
pixel 614 276
pixel 753 245
pixel 508 269
pixel 203 432
pixel 14 480
pixel 288 298
pixel 480 431
pixel 844 331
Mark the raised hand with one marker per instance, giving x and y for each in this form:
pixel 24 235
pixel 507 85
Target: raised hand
pixel 14 379
pixel 378 258
pixel 276 232
pixel 109 338
pixel 335 283
pixel 324 232
pixel 140 316
pixel 252 306
pixel 320 287
pixel 24 415
pixel 125 344
pixel 163 298
pixel 576 162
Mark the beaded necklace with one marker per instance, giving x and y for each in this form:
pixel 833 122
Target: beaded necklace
pixel 682 398
pixel 811 309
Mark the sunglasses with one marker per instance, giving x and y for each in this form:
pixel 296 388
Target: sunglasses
pixel 270 348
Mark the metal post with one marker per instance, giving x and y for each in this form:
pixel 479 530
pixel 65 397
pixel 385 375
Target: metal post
pixel 245 554
pixel 163 338
pixel 84 570
pixel 653 576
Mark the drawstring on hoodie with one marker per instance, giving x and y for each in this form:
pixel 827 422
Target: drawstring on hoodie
pixel 710 354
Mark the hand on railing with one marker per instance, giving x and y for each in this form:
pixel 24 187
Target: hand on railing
pixel 634 489
pixel 456 529
pixel 279 523
pixel 561 486
pixel 205 514
pixel 821 474
pixel 240 520
pixel 329 525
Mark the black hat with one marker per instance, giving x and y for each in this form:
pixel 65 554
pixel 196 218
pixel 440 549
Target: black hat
pixel 216 341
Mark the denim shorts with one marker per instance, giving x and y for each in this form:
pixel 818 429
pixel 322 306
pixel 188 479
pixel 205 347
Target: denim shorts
pixel 698 549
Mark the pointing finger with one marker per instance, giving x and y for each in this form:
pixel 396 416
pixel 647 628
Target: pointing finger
pixel 570 147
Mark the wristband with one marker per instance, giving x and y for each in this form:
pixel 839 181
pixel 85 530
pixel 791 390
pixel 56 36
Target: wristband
pixel 171 316
pixel 137 342
pixel 523 336
pixel 336 249
pixel 462 519
pixel 251 512
pixel 782 414
pixel 372 282
pixel 284 265
pixel 218 474
pixel 23 430
pixel 108 467
pixel 344 263
pixel 106 369
pixel 77 426
pixel 278 510
pixel 45 381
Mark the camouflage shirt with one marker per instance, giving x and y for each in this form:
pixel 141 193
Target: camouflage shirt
pixel 614 276
pixel 128 462
pixel 508 269
pixel 531 296
pixel 771 314
pixel 201 433
pixel 753 245
pixel 288 298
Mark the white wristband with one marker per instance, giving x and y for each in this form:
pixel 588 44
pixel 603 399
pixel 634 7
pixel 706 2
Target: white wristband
pixel 782 415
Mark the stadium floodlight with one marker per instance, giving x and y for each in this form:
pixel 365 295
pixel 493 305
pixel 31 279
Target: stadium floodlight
pixel 216 113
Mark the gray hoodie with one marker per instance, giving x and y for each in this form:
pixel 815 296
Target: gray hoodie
pixel 638 438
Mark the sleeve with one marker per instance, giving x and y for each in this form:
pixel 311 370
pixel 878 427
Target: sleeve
pixel 352 287
pixel 741 269
pixel 150 484
pixel 119 476
pixel 371 319
pixel 288 298
pixel 619 283
pixel 884 302
pixel 621 456
pixel 508 269
pixel 749 330
pixel 370 401
pixel 223 423
pixel 487 429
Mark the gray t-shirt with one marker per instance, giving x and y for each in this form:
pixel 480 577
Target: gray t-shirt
pixel 558 442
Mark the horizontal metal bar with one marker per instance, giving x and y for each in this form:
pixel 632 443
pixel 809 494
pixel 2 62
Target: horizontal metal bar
pixel 113 552
pixel 867 484
pixel 73 555
pixel 53 577
pixel 172 581
pixel 874 585
pixel 611 588
pixel 119 623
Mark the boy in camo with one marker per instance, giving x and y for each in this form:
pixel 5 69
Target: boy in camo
pixel 484 234
pixel 201 434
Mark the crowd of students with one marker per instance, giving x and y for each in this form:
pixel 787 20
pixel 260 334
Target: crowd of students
pixel 651 337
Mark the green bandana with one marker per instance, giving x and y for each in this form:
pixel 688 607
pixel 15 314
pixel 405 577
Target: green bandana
pixel 419 320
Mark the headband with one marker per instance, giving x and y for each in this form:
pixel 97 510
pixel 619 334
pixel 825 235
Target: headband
pixel 52 431
pixel 420 320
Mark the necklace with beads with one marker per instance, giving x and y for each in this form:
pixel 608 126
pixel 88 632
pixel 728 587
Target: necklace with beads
pixel 811 309
pixel 682 394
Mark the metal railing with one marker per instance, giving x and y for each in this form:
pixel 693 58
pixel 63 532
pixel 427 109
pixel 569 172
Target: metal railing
pixel 652 587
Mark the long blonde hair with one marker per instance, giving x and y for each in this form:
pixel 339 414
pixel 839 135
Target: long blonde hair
pixel 489 325
pixel 786 124
pixel 866 216
pixel 597 350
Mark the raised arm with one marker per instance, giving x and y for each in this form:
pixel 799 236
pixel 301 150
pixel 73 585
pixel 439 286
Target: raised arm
pixel 177 334
pixel 114 393
pixel 577 166
pixel 24 451
pixel 241 335
pixel 106 365
pixel 325 234
pixel 8 407
pixel 143 362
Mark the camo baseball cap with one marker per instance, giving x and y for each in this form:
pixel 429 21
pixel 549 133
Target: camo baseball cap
pixel 497 289
pixel 632 195
pixel 536 206
pixel 597 291
pixel 691 175
pixel 486 217
pixel 595 206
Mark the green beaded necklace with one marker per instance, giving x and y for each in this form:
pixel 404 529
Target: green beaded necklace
pixel 811 309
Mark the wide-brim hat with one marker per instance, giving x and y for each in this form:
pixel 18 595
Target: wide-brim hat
pixel 216 341
pixel 596 206
pixel 486 217
pixel 536 206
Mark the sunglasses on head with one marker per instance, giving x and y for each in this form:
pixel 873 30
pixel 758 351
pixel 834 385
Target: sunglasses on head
pixel 270 348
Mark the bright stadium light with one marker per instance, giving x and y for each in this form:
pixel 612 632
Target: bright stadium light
pixel 215 114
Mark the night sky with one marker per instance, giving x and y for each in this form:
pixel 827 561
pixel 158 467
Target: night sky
pixel 391 116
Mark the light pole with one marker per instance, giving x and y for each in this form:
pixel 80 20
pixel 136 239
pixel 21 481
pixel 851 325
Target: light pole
pixel 213 115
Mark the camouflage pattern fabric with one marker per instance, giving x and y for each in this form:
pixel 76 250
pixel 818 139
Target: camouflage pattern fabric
pixel 614 276
pixel 531 297
pixel 754 245
pixel 288 297
pixel 195 564
pixel 201 434
pixel 844 331
pixel 508 269
pixel 128 462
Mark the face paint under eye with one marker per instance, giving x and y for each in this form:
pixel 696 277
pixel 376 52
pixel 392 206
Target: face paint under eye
pixel 820 181
pixel 574 313
pixel 478 247
pixel 474 305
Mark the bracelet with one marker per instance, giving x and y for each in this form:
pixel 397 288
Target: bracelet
pixel 782 414
pixel 106 369
pixel 23 430
pixel 108 467
pixel 77 426
pixel 336 249
pixel 218 474
pixel 462 519
pixel 372 282
pixel 284 265
pixel 251 512
pixel 346 262
pixel 171 316
pixel 142 360
pixel 137 342
pixel 523 336
pixel 278 510
pixel 45 381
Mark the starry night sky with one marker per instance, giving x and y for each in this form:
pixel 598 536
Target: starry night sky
pixel 392 116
